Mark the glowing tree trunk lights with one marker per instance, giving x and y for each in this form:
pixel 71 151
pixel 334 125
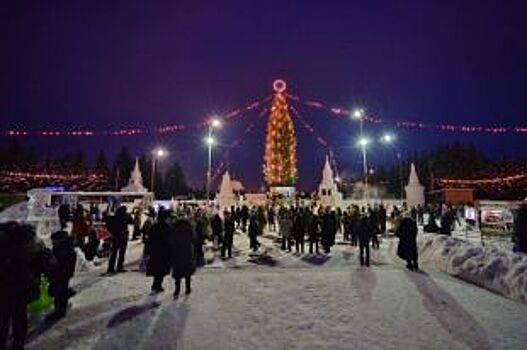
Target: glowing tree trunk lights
pixel 280 144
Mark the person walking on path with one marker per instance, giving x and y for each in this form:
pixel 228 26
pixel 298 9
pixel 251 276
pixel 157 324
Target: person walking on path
pixel 63 271
pixel 407 248
pixel 157 247
pixel 182 255
pixel 228 228
pixel 217 230
pixel 118 227
pixel 253 233
pixel 364 235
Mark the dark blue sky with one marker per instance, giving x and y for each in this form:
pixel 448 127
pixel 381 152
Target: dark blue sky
pixel 106 64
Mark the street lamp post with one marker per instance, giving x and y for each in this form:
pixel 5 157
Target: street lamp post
pixel 358 114
pixel 158 153
pixel 389 139
pixel 209 140
pixel 363 144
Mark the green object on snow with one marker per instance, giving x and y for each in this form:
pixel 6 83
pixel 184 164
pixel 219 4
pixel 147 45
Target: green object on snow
pixel 44 302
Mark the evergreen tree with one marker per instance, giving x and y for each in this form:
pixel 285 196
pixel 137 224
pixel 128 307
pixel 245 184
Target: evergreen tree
pixel 174 182
pixel 123 166
pixel 280 146
pixel 101 163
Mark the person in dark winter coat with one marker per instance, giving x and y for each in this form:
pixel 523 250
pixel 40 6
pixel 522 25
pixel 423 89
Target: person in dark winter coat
pixel 199 236
pixel 407 248
pixel 66 258
pixel 118 227
pixel 244 217
pixel 285 228
pixel 253 233
pixel 447 220
pixel 354 222
pixel 299 230
pixel 329 229
pixel 431 226
pixel 313 232
pixel 271 218
pixel 158 250
pixel 375 230
pixel 92 246
pixel 382 219
pixel 229 227
pixel 23 259
pixel 64 215
pixel 182 255
pixel 364 230
pixel 520 229
pixel 217 230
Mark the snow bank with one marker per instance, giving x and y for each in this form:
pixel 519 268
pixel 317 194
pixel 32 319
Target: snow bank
pixel 490 267
pixel 16 212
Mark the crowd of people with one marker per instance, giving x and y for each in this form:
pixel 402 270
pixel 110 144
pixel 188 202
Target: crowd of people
pixel 174 244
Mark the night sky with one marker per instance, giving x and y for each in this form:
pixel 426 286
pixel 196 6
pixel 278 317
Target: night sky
pixel 111 64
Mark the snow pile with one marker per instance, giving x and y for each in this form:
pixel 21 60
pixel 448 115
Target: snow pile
pixel 82 265
pixel 490 267
pixel 16 212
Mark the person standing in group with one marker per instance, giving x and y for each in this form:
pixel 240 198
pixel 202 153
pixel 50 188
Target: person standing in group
pixel 217 230
pixel 253 233
pixel 354 222
pixel 228 228
pixel 407 248
pixel 244 217
pixel 63 271
pixel 299 230
pixel 313 232
pixel 117 225
pixel 136 233
pixel 201 227
pixel 157 248
pixel 23 258
pixel 285 227
pixel 182 255
pixel 80 227
pixel 364 235
pixel 64 215
pixel 382 219
pixel 271 218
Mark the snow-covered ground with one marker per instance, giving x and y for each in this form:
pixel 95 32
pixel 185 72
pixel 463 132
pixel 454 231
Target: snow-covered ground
pixel 278 300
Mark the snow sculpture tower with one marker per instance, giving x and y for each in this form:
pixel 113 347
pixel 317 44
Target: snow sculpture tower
pixel 328 192
pixel 415 192
pixel 226 197
pixel 135 183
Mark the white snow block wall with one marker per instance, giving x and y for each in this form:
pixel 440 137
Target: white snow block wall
pixel 490 267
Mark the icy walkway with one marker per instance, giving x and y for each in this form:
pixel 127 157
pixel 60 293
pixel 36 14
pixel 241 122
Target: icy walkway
pixel 284 301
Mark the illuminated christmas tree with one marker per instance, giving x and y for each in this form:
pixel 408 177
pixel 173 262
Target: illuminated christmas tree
pixel 280 144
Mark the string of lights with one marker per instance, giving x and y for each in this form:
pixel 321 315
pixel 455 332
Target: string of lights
pixel 308 127
pixel 49 176
pixel 497 180
pixel 343 112
pixel 164 129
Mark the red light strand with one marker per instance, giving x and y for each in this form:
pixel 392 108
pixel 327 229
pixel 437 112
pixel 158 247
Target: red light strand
pixel 342 112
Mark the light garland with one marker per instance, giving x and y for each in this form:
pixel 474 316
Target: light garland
pixel 497 180
pixel 343 112
pixel 172 128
